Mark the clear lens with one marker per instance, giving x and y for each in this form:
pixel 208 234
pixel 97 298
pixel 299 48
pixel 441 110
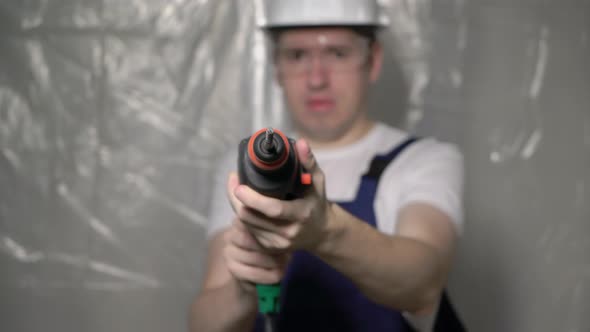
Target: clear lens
pixel 299 60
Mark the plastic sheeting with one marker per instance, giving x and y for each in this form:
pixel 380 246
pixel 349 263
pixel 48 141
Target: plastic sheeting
pixel 113 115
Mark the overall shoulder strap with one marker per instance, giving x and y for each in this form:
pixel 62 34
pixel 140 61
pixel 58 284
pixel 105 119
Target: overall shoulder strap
pixel 380 162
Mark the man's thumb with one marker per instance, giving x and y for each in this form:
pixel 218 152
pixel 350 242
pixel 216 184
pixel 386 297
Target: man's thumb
pixel 306 156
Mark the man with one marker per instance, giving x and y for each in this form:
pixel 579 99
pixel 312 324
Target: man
pixel 369 246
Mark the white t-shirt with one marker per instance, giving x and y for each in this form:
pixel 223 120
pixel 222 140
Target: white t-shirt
pixel 427 171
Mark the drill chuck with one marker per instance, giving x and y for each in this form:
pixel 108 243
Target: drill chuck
pixel 268 163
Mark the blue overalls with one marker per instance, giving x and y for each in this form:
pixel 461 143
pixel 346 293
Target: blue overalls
pixel 315 297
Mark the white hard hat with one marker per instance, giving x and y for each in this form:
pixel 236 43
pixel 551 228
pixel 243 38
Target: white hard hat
pixel 300 13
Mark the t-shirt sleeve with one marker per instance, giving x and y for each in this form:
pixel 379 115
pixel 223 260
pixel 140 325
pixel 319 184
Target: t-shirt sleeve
pixel 220 210
pixel 435 177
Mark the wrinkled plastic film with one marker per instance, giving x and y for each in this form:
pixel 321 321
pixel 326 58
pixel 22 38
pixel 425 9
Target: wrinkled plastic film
pixel 113 117
pixel 108 127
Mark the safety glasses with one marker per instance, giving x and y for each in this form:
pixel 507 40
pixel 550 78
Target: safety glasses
pixel 329 56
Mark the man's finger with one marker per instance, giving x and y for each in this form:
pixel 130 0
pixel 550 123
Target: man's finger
pixel 271 242
pixel 254 258
pixel 310 164
pixel 253 274
pixel 306 156
pixel 241 237
pixel 254 218
pixel 271 207
pixel 232 183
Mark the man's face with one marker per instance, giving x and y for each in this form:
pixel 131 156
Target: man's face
pixel 325 74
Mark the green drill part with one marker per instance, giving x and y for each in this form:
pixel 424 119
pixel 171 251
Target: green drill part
pixel 268 298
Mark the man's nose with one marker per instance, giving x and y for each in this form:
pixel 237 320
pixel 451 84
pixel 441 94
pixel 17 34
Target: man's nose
pixel 318 75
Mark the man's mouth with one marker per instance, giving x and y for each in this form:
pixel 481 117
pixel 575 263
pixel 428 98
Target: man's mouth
pixel 320 104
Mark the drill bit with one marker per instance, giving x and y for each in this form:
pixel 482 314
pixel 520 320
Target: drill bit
pixel 269 140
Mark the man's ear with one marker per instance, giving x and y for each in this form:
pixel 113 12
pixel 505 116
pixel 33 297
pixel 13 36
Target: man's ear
pixel 275 67
pixel 376 62
pixel 278 76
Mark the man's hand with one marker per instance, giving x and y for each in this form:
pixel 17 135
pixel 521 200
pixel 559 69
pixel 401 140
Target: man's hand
pixel 247 261
pixel 281 226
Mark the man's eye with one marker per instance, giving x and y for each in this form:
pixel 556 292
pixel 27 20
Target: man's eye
pixel 294 55
pixel 339 53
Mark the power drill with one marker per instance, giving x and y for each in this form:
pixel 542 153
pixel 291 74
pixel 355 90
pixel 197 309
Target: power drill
pixel 268 163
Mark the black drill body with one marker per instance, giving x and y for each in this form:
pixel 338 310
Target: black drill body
pixel 268 163
pixel 268 175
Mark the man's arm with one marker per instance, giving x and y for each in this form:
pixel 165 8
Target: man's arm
pixel 406 271
pixel 219 288
pixel 222 304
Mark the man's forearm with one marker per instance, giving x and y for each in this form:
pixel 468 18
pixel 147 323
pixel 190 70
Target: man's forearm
pixel 223 309
pixel 398 272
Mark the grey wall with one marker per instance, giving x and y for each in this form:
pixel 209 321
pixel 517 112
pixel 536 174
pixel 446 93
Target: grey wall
pixel 113 114
pixel 521 113
pixel 509 82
